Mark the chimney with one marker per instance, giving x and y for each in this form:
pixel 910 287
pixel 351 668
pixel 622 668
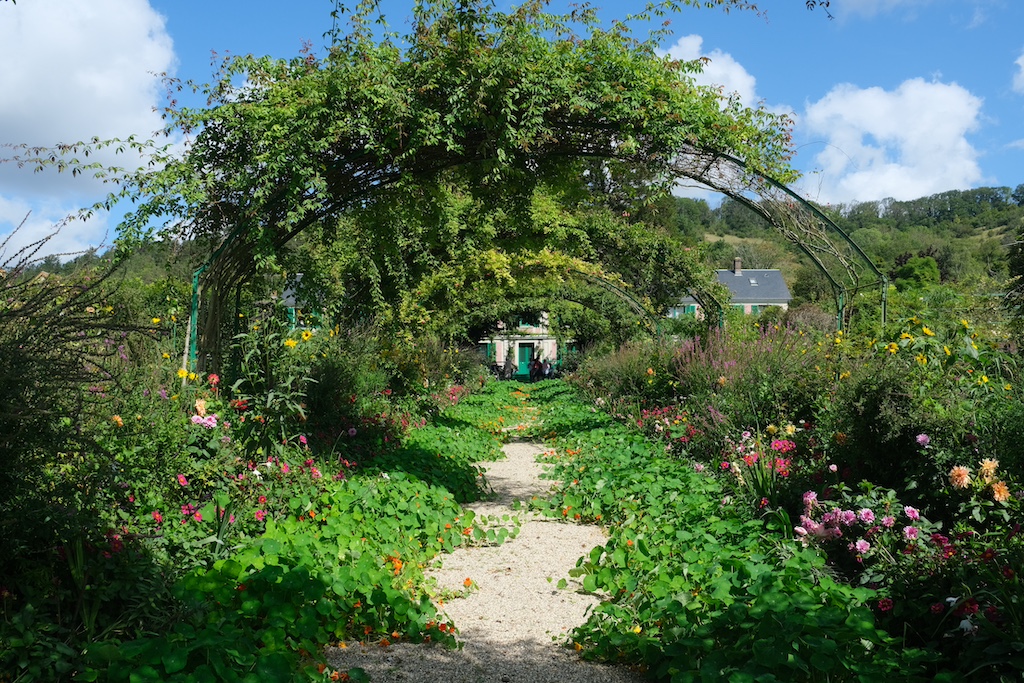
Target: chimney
pixel 737 267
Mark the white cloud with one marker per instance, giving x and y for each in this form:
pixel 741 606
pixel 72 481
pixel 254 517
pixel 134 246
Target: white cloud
pixel 74 70
pixel 1018 78
pixel 31 223
pixel 722 71
pixel 906 143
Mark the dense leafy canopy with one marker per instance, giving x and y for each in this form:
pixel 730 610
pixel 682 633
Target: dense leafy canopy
pixel 510 100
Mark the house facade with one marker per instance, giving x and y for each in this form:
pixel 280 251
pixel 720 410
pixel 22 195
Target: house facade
pixel 752 290
pixel 523 343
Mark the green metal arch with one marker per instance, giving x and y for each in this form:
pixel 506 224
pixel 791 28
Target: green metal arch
pixel 842 261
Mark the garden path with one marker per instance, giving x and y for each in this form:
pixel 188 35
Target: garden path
pixel 515 622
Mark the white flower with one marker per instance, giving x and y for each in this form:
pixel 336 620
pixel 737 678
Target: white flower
pixel 384 475
pixel 967 626
pixel 257 474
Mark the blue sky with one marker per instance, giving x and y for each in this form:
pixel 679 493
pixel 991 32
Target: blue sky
pixel 891 98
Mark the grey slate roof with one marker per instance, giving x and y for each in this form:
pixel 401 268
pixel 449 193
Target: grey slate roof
pixel 755 286
pixel 752 286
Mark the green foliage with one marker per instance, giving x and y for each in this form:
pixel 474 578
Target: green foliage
pixel 917 273
pixel 725 382
pixel 696 589
pixel 272 383
pixel 901 473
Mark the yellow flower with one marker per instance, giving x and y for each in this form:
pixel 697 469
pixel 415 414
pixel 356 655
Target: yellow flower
pixel 306 335
pixel 988 470
pixel 946 349
pixel 116 419
pixel 166 355
pixel 637 629
pixel 1007 387
pixel 983 380
pixel 182 373
pixel 921 358
pixel 290 343
pixel 845 374
pixel 964 322
pixel 927 332
pixel 201 407
pixel 156 321
pixel 791 429
pixel 192 377
pixel 771 429
pixel 907 335
pixel 892 347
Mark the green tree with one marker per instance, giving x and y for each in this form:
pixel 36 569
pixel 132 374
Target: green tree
pixel 917 273
pixel 512 100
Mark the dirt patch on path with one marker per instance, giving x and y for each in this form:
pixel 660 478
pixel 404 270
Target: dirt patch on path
pixel 515 624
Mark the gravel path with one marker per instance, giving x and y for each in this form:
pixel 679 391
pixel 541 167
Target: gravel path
pixel 514 625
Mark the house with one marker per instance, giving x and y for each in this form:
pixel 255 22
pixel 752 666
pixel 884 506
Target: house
pixel 752 290
pixel 528 339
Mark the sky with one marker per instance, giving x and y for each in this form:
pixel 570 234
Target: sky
pixel 890 98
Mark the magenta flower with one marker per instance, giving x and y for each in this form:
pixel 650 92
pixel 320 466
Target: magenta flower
pixel 285 468
pixel 157 517
pixel 302 440
pixel 888 521
pixel 188 509
pixel 885 604
pixel 910 533
pixel 866 515
pixel 352 431
pixel 698 467
pixel 810 498
pixel 923 440
pixel 182 480
pixel 862 546
pixel 198 516
pixel 847 517
pixel 912 513
pixel 260 515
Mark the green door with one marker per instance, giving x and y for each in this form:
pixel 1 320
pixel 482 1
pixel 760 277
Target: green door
pixel 525 354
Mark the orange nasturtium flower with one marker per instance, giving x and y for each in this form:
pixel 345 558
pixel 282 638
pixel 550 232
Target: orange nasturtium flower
pixel 468 582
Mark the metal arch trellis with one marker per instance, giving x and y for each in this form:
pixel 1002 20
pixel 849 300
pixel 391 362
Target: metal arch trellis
pixel 845 265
